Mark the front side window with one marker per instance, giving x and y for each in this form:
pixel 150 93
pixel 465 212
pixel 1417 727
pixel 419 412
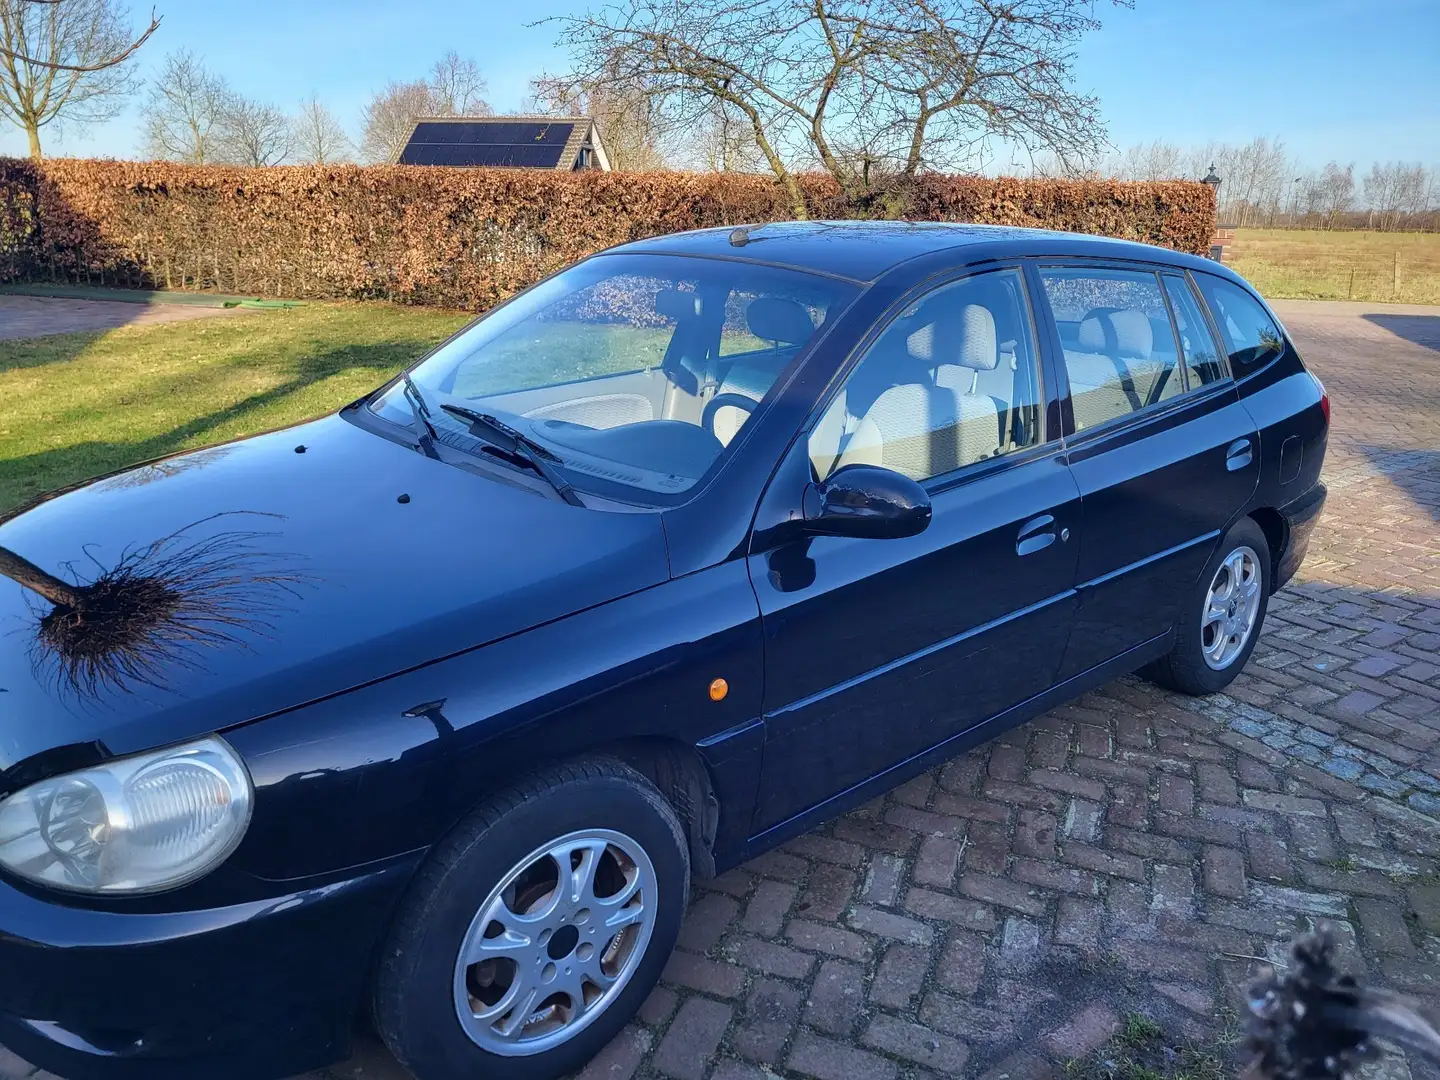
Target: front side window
pixel 1251 336
pixel 1117 340
pixel 950 382
pixel 633 371
pixel 1202 360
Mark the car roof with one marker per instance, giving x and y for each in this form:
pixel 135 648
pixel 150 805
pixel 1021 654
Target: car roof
pixel 867 250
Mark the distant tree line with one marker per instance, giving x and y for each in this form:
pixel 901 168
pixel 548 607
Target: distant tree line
pixel 1263 185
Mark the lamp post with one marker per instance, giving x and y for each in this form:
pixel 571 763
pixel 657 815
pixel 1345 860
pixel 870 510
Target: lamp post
pixel 1217 246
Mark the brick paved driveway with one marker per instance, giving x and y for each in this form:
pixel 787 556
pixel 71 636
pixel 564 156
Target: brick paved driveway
pixel 1135 850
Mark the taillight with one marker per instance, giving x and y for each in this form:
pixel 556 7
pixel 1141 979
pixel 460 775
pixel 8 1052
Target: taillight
pixel 1324 399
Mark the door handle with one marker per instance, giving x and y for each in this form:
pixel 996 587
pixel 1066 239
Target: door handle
pixel 1240 454
pixel 1035 535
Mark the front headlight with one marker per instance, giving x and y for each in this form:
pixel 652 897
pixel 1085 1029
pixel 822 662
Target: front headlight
pixel 139 824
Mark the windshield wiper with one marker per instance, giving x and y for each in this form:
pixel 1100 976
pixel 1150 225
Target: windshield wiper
pixel 517 447
pixel 425 432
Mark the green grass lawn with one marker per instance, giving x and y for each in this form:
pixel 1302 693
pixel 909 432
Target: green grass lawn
pixel 76 405
pixel 1316 264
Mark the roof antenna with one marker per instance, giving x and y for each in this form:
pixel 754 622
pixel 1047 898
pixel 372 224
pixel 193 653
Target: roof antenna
pixel 741 236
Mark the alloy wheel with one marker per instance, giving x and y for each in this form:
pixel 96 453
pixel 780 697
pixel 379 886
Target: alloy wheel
pixel 1232 605
pixel 555 942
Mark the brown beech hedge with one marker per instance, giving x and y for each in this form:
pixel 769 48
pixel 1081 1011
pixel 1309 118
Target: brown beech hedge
pixel 465 237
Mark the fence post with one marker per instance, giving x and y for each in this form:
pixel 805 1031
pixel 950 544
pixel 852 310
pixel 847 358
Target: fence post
pixel 1395 285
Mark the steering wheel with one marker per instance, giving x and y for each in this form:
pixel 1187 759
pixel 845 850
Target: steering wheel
pixel 719 401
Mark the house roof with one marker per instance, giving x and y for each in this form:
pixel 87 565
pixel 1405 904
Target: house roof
pixel 527 142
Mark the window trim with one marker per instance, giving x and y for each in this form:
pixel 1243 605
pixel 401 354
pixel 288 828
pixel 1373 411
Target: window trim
pixel 1245 287
pixel 955 477
pixel 1199 301
pixel 1190 394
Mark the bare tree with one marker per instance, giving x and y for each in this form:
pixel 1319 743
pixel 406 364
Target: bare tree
pixel 64 60
pixel 906 84
pixel 391 115
pixel 1336 191
pixel 624 114
pixel 317 135
pixel 457 87
pixel 183 110
pixel 253 133
pixel 721 142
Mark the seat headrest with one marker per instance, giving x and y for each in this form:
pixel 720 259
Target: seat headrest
pixel 1122 332
pixel 963 336
pixel 772 319
pixel 677 305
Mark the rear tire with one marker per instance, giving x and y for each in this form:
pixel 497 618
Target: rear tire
pixel 1221 619
pixel 495 935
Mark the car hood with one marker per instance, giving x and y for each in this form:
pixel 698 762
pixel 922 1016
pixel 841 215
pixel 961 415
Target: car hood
pixel 211 588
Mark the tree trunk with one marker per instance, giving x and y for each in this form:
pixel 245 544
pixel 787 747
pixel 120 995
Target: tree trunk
pixel 33 130
pixel 29 575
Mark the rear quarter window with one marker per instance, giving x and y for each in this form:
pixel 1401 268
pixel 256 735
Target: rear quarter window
pixel 1250 335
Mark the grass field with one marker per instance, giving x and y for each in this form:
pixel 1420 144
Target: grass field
pixel 1310 264
pixel 81 404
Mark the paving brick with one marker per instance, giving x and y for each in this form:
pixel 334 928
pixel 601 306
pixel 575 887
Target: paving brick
pixel 900 977
pixel 1289 805
pixel 918 1044
pixel 694 1035
pixel 707 976
pixel 765 912
pixel 1084 1033
pixel 881 884
pixel 706 922
pixel 937 861
pixel 1083 820
pixel 952 909
pixel 1224 872
pixel 1177 795
pixel 1104 862
pixel 771 1012
pixel 889 925
pixel 836 997
pixel 962 963
pixel 1003 893
pixel 1269 857
pixel 657 1007
pixel 1050 875
pixel 826 1059
pixel 778 864
pixel 987 848
pixel 1216 785
pixel 1070 784
pixel 617 1061
pixel 1174 890
pixel 827 939
pixel 1077 923
pixel 1162 960
pixel 770 958
pixel 1312 839
pixel 827 892
pixel 1383 926
pixel 826 849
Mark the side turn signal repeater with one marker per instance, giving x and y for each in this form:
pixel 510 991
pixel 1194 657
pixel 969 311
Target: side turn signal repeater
pixel 718 689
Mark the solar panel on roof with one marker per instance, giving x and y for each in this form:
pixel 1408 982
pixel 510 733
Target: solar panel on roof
pixel 524 144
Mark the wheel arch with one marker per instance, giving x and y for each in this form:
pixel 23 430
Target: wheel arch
pixel 1272 523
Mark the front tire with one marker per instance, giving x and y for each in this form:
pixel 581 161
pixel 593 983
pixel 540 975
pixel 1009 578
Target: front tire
pixel 1221 620
pixel 536 929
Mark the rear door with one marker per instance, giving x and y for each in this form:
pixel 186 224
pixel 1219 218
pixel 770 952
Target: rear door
pixel 878 650
pixel 1163 452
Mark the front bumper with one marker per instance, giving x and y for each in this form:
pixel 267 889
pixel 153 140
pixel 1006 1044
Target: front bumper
pixel 260 990
pixel 1300 516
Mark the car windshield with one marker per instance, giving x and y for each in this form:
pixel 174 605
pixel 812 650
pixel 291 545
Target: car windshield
pixel 635 372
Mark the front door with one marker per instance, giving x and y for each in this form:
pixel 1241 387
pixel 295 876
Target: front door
pixel 878 650
pixel 1163 452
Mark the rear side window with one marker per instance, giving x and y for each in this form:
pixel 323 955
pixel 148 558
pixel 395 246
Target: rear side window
pixel 1118 343
pixel 1202 360
pixel 1251 336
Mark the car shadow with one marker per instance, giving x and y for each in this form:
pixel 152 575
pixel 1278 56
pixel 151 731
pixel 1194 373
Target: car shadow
pixel 1415 471
pixel 1420 329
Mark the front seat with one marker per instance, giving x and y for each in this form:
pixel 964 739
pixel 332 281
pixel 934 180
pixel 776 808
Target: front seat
pixel 772 319
pixel 925 429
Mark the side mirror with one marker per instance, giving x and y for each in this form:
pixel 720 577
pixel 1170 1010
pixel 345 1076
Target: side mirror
pixel 867 502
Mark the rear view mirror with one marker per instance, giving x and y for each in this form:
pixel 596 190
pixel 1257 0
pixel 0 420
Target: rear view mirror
pixel 868 502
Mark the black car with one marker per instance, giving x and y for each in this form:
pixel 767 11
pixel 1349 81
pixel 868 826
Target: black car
pixel 429 710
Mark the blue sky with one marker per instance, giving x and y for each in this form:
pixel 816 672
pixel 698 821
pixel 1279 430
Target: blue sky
pixel 1351 80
